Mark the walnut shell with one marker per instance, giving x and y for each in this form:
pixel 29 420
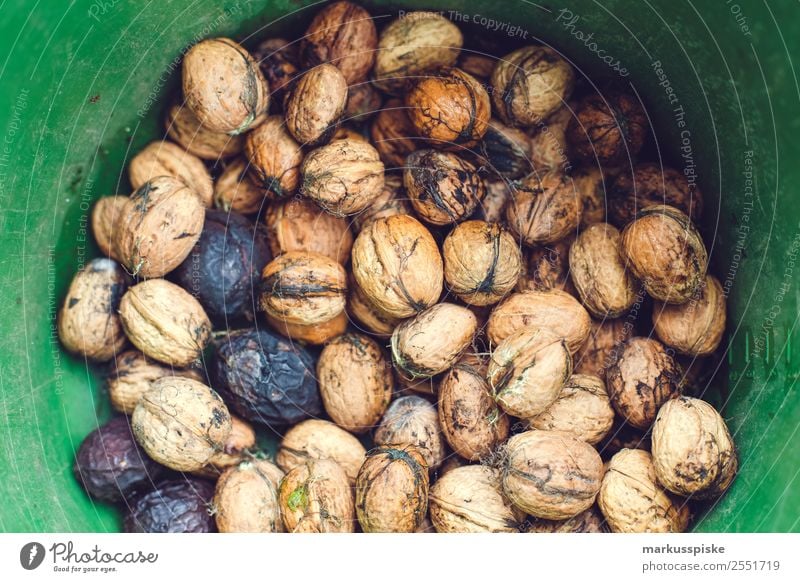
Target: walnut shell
pixel 342 34
pixel 412 420
pixel 482 262
pixel 278 60
pixel 548 145
pixel 547 267
pixel 238 443
pixel 104 223
pixel 693 452
pixel 303 287
pixel 476 64
pixel 432 341
pixel 246 499
pixel 315 334
pixel 493 206
pixel 416 43
pixel 696 327
pixel 165 322
pixel 159 227
pixel 185 129
pixel 320 439
pixel 602 347
pixel 665 251
pixel 589 521
pixel 274 157
pixel 316 497
pixel 550 474
pixel 88 322
pixel 369 319
pixel 315 104
pixel 553 310
pixel 363 102
pixel 632 501
pixel 181 423
pixel 393 134
pixel 505 150
pixel 163 158
pixel 529 84
pixel 392 490
pixel 544 210
pixel 397 266
pixel 236 191
pixel 223 86
pixel 355 381
pixel 470 500
pixel 297 224
pixel 591 187
pixel 643 378
pixel 390 202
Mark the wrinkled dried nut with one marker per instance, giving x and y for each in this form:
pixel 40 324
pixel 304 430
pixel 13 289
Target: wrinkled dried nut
pixel 391 202
pixel 104 223
pixel 413 421
pixel 602 347
pixel 241 440
pixel 397 266
pixel 470 500
pixel 159 227
pixel 547 267
pixel 320 439
pixel 88 322
pixel 223 86
pixel 315 334
pixel 481 262
pixel 304 288
pixel 355 381
pixel 468 415
pixel 363 101
pixel 665 251
pixel 527 371
pixel 633 501
pixel 548 144
pixel 591 188
pixel 368 318
pixel 606 289
pixel 187 131
pixel 278 60
pixel 393 134
pixel 235 190
pixel 651 184
pixel 544 210
pixel 589 521
pixel 550 474
pixel 181 423
pixel 505 150
pixel 246 498
pixel 275 158
pixel 643 378
pixel 315 104
pixel 432 341
pixel 696 327
pixel 492 207
pixel 582 409
pixel 392 490
pixel 316 497
pixel 342 34
pixel 529 84
pixel 477 65
pixel 553 310
pixel 693 452
pixel 607 129
pixel 449 107
pixel 180 505
pixel 417 43
pixel 443 188
pixel 163 158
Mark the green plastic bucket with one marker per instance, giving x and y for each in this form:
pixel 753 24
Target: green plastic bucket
pixel 85 83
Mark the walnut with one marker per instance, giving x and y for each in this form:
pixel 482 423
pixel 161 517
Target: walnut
pixel 355 381
pixel 529 84
pixel 165 322
pixel 666 252
pixel 412 421
pixel 550 474
pixel 246 499
pixel 492 207
pixel 393 134
pixel 602 347
pixel 591 187
pixel 236 190
pixel 643 378
pixel 623 436
pixel 104 223
pixel 478 65
pixel 315 334
pixel 589 521
pixel 547 267
pixel 223 86
pixel 693 452
pixel 314 105
pixel 181 423
pixel 241 439
pixel 278 60
pixel 392 201
pixel 632 501
pixel 185 129
pixel 544 210
pixel 274 157
pixel 163 158
pixel 506 151
pixel 548 144
pixel 368 318
pixel 316 497
pixel 363 101
pixel 320 439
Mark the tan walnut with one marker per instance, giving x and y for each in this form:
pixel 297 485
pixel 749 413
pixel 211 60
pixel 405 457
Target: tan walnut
pixel 314 105
pixel 104 217
pixel 185 129
pixel 246 498
pixel 316 497
pixel 412 420
pixel 544 209
pixel 163 158
pixel 236 190
pixel 274 157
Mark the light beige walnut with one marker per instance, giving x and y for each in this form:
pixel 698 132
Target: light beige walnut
pixel 316 497
pixel 246 499
pixel 368 318
pixel 104 223
pixel 241 439
pixel 163 158
pixel 315 333
pixel 412 420
pixel 315 104
pixel 185 129
pixel 235 190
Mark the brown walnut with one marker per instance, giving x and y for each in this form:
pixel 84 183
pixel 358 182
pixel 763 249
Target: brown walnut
pixel 369 318
pixel 544 209
pixel 547 267
pixel 393 134
pixel 236 190
pixel 320 439
pixel 104 217
pixel 392 201
pixel 316 497
pixel 412 421
pixel 185 129
pixel 246 499
pixel 274 157
pixel 602 347
pixel 314 105
pixel 278 60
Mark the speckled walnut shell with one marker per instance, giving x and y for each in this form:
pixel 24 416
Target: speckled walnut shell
pixel 316 497
pixel 470 500
pixel 88 323
pixel 544 209
pixel 278 60
pixel 492 207
pixel 181 423
pixel 416 43
pixel 274 157
pixel 315 334
pixel 412 420
pixel 163 158
pixel 602 346
pixel 632 501
pixel 303 287
pixel 314 105
pixel 505 151
pixel 432 341
pixel 392 201
pixel 547 267
pixel 392 490
pixel 104 223
pixel 246 498
pixel 693 452
pixel 223 86
pixel 320 439
pixel 235 190
pixel 158 227
pixel 397 266
pixel 664 250
pixel 529 84
pixel 393 134
pixel 591 188
pixel 165 322
pixel 355 381
pixel 550 474
pixel 589 521
pixel 643 378
pixel 185 129
pixel 241 439
pixel 696 327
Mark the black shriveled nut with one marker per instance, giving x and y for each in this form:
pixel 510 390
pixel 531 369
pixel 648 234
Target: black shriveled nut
pixel 178 506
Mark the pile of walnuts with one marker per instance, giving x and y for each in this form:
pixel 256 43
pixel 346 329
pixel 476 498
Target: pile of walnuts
pixel 381 237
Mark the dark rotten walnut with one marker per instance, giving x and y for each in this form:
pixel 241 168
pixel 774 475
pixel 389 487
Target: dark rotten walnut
pixel 178 506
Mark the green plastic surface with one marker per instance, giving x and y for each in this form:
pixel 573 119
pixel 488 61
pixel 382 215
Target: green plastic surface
pixel 83 84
